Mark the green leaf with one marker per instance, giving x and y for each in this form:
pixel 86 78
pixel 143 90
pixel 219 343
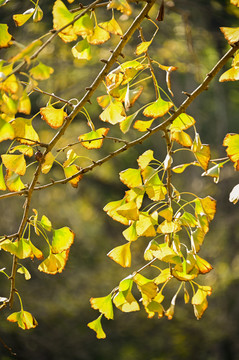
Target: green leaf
pixel 5 37
pixel 104 305
pixel 84 26
pixel 62 240
pixel 41 71
pixel 96 326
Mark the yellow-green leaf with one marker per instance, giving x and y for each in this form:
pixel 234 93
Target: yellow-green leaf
pixel 131 177
pixel 144 159
pixel 232 143
pixel 111 209
pixel 99 36
pixel 41 71
pixel 13 181
pixel 145 225
pixel 61 17
pixel 125 301
pixel 97 327
pixel 84 26
pixel 54 263
pixel 82 50
pixel 24 319
pixel 130 233
pixel 62 240
pixel 6 130
pixel 143 47
pixel 5 37
pixel 112 27
pixel 46 223
pixel 157 109
pixel 87 140
pixel 104 305
pixel 53 117
pixel 2 182
pixel 24 131
pixel 25 272
pixel 48 162
pixel 70 171
pixel 129 211
pixel 182 138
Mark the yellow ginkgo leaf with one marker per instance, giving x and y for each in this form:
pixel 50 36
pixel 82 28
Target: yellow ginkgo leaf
pixel 61 17
pixel 24 104
pixel 24 319
pixel 72 170
pixel 235 2
pixel 2 182
pixel 111 210
pixel 114 113
pixel 13 181
pixel 144 159
pixel 143 47
pixel 97 327
pixel 5 37
pixel 232 143
pixel 84 26
pixel 99 36
pixel 121 255
pixel 26 53
pixel 6 130
pixel 112 27
pixel 157 109
pixel 182 122
pixel 20 19
pixel 182 138
pixel 230 75
pixel 41 71
pixel 129 211
pixel 62 240
pixel 54 117
pixel 24 131
pixel 131 177
pixel 125 301
pixel 104 305
pixel 121 5
pixel 54 263
pixel 82 50
pixel 48 162
pixel 142 125
pixel 16 163
pixel 87 140
pixel 231 34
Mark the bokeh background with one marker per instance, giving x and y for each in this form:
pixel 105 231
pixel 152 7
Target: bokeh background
pixel 189 38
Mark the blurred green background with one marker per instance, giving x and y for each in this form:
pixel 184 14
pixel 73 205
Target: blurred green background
pixel 189 38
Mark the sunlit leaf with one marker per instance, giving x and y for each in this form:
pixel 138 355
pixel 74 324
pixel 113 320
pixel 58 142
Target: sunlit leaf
pixel 27 51
pixel 20 19
pixel 200 309
pixel 233 197
pixel 3 2
pixel 198 237
pixel 84 26
pixel 41 71
pixel 6 130
pixel 135 194
pixel 201 294
pixel 2 182
pixel 147 287
pixel 104 100
pixel 129 211
pixel 182 122
pixel 24 319
pixel 88 139
pixel 114 113
pixel 125 301
pixel 112 27
pixel 61 17
pixel 25 272
pixel 182 138
pixel 111 209
pixel 82 50
pixel 167 227
pixel 166 253
pixel 24 131
pixel 104 305
pixel 187 219
pixel 167 214
pixel 16 163
pixel 130 233
pixel 54 263
pixel 213 172
pixel 201 152
pixel 121 5
pixel 206 206
pixel 22 248
pixel 53 117
pixel 48 162
pixel 70 171
pixel 99 36
pixel 232 143
pixel 96 326
pixel 126 123
pixel 71 157
pixel 46 223
pixel 202 265
pixel 121 255
pixel 131 177
pixel 5 37
pixel 235 2
pixel 144 159
pixel 13 181
pixel 24 104
pixel 62 240
pixel 180 168
pixel 231 34
pixel 142 125
pixel 159 108
pixel 145 225
pixel 38 14
pixel 143 47
pixel 230 75
pixel 163 276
